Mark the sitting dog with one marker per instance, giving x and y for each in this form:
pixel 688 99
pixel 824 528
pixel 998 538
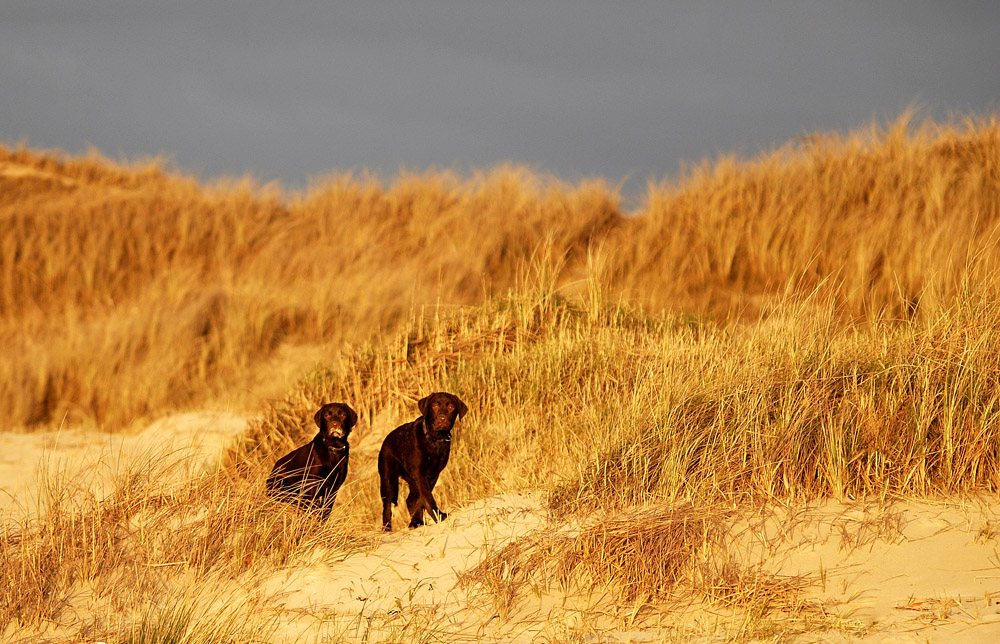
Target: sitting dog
pixel 310 476
pixel 417 452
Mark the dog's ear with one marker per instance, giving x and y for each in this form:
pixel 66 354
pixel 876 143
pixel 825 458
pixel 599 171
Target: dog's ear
pixel 422 404
pixel 319 419
pixel 352 416
pixel 462 409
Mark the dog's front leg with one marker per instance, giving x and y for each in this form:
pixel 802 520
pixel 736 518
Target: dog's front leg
pixel 426 501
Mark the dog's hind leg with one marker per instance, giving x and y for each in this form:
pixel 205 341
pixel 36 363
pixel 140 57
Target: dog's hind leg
pixel 388 490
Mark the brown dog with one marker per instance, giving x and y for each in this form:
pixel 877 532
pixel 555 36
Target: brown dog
pixel 310 476
pixel 417 452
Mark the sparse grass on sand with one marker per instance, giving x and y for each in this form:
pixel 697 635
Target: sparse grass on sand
pixel 816 323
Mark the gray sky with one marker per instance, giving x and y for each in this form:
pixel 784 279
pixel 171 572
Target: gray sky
pixel 300 88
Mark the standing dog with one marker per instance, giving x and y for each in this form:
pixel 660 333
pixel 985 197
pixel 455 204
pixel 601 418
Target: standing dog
pixel 417 452
pixel 310 476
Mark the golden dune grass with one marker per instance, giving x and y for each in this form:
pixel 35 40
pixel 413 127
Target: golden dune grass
pixel 604 408
pixel 121 298
pixel 888 222
pixel 817 322
pixel 139 281
pixel 611 408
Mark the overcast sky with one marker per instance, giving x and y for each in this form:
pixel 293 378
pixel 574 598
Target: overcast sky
pixel 299 88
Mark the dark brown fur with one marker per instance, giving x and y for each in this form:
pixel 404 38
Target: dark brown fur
pixel 310 476
pixel 417 452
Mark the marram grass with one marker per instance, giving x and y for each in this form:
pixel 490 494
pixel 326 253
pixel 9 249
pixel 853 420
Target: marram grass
pixel 819 322
pixel 129 290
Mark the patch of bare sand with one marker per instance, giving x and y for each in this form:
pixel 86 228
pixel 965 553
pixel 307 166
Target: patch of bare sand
pixel 408 583
pixel 915 571
pixel 907 572
pixel 186 444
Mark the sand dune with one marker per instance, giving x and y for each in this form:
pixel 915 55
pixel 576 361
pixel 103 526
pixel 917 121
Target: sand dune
pixel 913 571
pixel 191 442
pixel 909 572
pixel 905 572
pixel 409 581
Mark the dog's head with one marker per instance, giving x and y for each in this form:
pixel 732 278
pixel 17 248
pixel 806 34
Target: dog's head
pixel 440 410
pixel 335 421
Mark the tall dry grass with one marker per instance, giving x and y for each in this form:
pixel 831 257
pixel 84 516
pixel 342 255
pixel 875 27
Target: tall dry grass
pixel 125 290
pixel 817 322
pixel 604 407
pixel 886 221
pixel 610 408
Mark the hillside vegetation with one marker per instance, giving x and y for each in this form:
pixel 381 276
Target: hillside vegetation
pixel 129 289
pixel 818 322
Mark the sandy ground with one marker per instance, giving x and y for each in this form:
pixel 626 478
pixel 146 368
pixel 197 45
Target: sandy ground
pixel 910 572
pixel 409 582
pixel 907 572
pixel 913 571
pixel 194 441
